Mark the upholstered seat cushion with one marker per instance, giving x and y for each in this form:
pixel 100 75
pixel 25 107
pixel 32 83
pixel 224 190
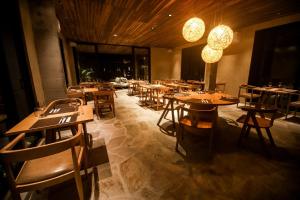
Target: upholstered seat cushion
pixel 295 104
pixel 262 122
pixel 47 167
pixel 248 95
pixel 200 124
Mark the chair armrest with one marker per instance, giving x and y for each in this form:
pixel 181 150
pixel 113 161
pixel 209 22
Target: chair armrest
pixel 13 143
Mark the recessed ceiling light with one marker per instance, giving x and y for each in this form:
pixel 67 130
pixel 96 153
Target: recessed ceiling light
pixel 170 15
pixel 115 35
pixel 152 28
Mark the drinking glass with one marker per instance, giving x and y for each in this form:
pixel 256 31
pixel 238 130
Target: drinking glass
pixel 270 84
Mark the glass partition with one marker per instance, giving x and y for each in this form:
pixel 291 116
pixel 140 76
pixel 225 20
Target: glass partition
pixel 101 62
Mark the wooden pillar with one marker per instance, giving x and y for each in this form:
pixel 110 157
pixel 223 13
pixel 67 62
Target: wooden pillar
pixel 210 76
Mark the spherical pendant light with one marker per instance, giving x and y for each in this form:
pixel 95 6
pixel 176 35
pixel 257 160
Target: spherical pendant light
pixel 220 37
pixel 210 55
pixel 193 29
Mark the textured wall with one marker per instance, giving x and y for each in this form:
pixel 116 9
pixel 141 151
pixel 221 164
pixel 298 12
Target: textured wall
pixel 44 23
pixel 165 63
pixel 31 52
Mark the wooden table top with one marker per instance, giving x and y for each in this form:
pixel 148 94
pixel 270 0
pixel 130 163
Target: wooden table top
pixel 90 90
pixel 182 85
pixel 84 90
pixel 85 114
pixel 153 86
pixel 216 98
pixel 275 90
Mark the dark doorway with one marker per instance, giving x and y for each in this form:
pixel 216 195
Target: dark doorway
pixel 192 65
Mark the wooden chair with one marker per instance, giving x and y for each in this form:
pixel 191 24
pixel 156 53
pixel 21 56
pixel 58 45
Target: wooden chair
pixel 76 94
pixel 44 165
pixel 267 115
pixel 158 96
pixel 246 92
pixel 196 122
pixel 294 104
pixel 104 99
pixel 107 86
pixel 76 102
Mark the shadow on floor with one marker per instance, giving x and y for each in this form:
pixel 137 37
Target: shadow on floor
pixel 226 142
pixel 293 119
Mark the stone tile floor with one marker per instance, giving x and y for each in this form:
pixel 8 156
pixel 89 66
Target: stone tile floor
pixel 144 165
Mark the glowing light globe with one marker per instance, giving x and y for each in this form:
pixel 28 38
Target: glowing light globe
pixel 220 37
pixel 193 29
pixel 210 55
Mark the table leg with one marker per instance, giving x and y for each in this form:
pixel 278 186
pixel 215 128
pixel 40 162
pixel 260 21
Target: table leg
pixel 270 137
pixel 164 112
pixel 288 106
pixel 259 133
pixel 168 106
pixel 244 127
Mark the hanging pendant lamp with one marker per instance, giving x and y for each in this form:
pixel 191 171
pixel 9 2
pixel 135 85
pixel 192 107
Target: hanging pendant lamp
pixel 210 55
pixel 220 37
pixel 193 29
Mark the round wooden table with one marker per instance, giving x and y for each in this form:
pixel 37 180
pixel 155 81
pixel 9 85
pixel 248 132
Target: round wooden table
pixel 197 100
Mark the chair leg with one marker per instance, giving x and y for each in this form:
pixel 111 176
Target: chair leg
pixel 113 108
pixel 247 131
pixel 165 116
pixel 77 176
pixel 97 112
pixel 261 138
pixel 178 137
pixel 79 185
pixel 270 137
pixel 211 140
pixel 242 134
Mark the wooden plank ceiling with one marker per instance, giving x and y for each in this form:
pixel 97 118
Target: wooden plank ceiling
pixel 147 22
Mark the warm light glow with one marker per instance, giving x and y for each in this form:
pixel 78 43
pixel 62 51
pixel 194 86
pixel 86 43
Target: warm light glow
pixel 210 55
pixel 193 29
pixel 220 37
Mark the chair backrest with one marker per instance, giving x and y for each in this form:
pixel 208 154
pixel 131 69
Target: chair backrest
pixel 245 89
pixel 196 115
pixel 107 95
pixel 106 86
pixel 74 87
pixel 76 95
pixel 77 101
pixel 267 111
pixel 8 155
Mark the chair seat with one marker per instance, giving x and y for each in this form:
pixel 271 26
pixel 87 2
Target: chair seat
pixel 248 95
pixel 201 124
pixel 295 104
pixel 47 167
pixel 262 122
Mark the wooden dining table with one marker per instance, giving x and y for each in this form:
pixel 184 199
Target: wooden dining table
pixel 277 91
pixel 151 90
pixel 51 121
pixel 199 98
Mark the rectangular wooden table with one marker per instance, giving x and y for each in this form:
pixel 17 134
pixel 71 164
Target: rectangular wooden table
pixel 84 114
pixel 277 92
